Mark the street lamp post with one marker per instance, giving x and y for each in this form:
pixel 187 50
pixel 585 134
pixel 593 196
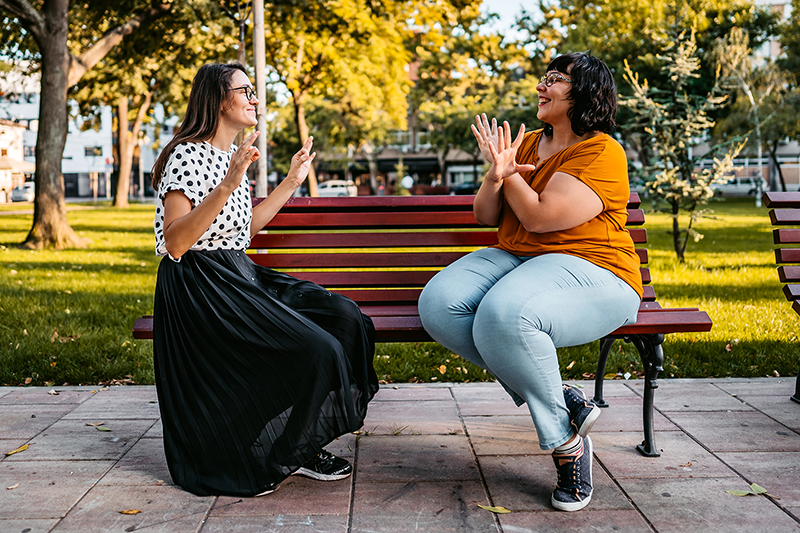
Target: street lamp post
pixel 259 58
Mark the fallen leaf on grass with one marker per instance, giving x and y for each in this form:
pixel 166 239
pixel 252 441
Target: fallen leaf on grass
pixel 569 366
pixel 95 424
pixel 20 449
pixel 130 511
pixel 496 510
pixel 12 487
pixel 442 369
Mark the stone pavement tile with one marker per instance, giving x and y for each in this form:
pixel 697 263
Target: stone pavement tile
pixel 167 509
pixel 284 524
pixel 737 431
pixel 29 525
pixel 5 390
pixel 432 507
pixel 701 504
pixel 157 431
pixel 758 387
pixel 119 402
pixel 415 417
pixel 612 388
pixel 680 456
pixel 143 464
pixel 73 439
pixel 418 393
pixel 781 408
pixel 28 420
pixel 47 489
pixel 297 496
pixel 503 435
pixel 525 483
pixel 7 445
pixel 778 472
pixel 486 401
pixel 28 395
pixel 695 395
pixel 587 519
pixel 344 446
pixel 625 414
pixel 415 458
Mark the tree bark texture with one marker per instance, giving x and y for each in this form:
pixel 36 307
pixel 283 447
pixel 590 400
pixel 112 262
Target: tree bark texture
pixel 50 227
pixel 127 141
pixel 302 131
pixel 676 231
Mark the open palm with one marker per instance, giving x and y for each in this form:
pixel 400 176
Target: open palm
pixel 504 154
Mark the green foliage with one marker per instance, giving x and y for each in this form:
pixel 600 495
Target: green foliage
pixel 672 122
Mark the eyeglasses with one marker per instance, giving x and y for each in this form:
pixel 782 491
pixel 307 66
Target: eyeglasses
pixel 249 93
pixel 550 79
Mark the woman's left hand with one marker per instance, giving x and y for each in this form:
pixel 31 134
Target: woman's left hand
pixel 301 162
pixel 504 156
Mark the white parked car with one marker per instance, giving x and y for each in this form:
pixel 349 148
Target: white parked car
pixel 333 188
pixel 23 193
pixel 739 186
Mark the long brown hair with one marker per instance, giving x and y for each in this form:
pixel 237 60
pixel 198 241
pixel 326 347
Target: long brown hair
pixel 210 89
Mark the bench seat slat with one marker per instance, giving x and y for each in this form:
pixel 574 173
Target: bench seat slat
pixel 373 240
pixel 778 199
pixel 792 291
pixel 784 217
pixel 789 273
pixel 357 260
pixel 787 255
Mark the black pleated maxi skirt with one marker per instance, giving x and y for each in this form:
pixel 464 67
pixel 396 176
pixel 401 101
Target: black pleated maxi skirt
pixel 256 371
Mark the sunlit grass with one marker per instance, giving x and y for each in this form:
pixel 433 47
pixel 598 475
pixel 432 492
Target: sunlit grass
pixel 730 274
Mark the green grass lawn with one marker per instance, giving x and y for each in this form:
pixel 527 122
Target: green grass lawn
pixel 67 315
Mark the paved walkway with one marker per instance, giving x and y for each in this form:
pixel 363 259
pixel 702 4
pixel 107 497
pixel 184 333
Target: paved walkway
pixel 427 457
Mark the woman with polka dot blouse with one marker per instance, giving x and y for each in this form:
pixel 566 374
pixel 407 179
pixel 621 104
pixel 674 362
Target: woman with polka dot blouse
pixel 256 370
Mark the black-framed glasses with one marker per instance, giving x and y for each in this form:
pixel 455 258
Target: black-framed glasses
pixel 249 93
pixel 550 79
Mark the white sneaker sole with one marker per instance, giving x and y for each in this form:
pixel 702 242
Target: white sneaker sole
pixel 319 477
pixel 270 491
pixel 586 427
pixel 577 506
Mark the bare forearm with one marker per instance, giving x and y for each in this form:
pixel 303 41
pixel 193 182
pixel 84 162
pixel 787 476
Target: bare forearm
pixel 186 230
pixel 488 203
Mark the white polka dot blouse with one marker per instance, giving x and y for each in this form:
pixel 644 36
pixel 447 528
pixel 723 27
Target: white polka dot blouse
pixel 196 169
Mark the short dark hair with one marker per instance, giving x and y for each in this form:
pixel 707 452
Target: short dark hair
pixel 210 89
pixel 593 93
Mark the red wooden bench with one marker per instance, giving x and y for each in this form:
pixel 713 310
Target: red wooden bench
pixel 785 211
pixel 381 250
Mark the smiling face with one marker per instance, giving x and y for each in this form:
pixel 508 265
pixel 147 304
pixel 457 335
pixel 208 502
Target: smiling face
pixel 238 112
pixel 554 102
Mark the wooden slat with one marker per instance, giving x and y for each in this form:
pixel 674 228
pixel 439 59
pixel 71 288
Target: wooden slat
pixel 789 273
pixel 786 236
pixel 411 278
pixel 785 217
pixel 643 255
pixel 357 260
pixel 796 306
pixel 791 291
pixel 143 327
pixel 373 240
pixel 787 255
pixel 645 276
pixel 649 294
pixel 382 296
pixel 635 217
pixel 361 220
pixel 781 199
pixel 639 235
pixel 667 321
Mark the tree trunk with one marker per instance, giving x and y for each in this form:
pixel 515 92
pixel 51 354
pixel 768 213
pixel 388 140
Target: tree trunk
pixel 127 144
pixel 302 130
pixel 50 228
pixel 676 231
pixel 372 163
pixel 773 154
pixel 125 151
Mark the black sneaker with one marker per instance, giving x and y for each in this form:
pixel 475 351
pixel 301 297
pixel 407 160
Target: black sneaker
pixel 582 412
pixel 270 489
pixel 326 467
pixel 574 490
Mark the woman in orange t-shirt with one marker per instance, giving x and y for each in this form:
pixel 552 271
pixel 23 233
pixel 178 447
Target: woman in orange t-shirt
pixel 563 272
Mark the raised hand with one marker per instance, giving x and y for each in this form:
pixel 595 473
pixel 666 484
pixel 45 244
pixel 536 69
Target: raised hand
pixel 504 155
pixel 485 134
pixel 301 162
pixel 244 156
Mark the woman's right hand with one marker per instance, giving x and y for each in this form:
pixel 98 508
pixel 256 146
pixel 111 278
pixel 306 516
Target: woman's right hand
pixel 504 155
pixel 485 134
pixel 301 163
pixel 241 160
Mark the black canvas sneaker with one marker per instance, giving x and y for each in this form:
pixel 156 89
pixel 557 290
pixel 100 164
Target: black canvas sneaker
pixel 582 412
pixel 326 467
pixel 574 490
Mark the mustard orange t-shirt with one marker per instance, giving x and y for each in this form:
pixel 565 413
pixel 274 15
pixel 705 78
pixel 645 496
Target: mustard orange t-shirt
pixel 600 163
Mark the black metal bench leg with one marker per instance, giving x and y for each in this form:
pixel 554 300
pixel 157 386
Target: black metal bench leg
pixel 796 397
pixel 652 355
pixel 605 348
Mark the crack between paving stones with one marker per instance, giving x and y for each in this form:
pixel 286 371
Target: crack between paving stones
pixel 353 485
pixel 718 458
pixel 485 485
pixel 624 493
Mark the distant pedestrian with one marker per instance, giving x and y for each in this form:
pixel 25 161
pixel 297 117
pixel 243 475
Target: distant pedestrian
pixel 564 271
pixel 256 371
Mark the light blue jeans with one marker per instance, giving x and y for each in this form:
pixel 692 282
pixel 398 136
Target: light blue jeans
pixel 508 314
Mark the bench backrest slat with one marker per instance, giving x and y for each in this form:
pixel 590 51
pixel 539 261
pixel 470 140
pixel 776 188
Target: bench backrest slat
pixel 785 211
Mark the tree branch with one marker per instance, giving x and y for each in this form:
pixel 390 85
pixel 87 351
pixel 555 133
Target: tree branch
pixel 29 18
pixel 80 64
